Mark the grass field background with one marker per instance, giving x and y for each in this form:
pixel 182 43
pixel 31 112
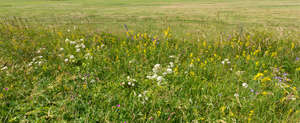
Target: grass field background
pixel 185 17
pixel 158 61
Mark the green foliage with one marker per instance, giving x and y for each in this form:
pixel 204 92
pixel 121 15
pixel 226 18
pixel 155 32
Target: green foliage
pixel 49 74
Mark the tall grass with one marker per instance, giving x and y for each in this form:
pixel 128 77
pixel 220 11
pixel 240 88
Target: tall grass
pixel 51 74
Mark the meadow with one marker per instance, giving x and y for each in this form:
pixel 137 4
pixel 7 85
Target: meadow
pixel 149 61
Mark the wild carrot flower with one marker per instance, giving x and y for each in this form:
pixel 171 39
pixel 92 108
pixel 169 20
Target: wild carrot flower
pixel 245 85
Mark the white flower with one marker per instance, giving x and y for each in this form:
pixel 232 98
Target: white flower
pixel 102 45
pixel 236 95
pixel 159 78
pixel 171 64
pixel 72 56
pixel 172 56
pixel 140 95
pixel 156 68
pixel 72 42
pixel 82 45
pixel 77 50
pixel 66 60
pixel 4 68
pixel 165 73
pixel 61 49
pixel 129 83
pixel 92 81
pixel 69 30
pixel 154 76
pixel 169 70
pixel 132 84
pixel 223 62
pixel 40 56
pixel 30 64
pixel 40 62
pixel 39 51
pixel 67 40
pixel 149 77
pixel 245 85
pixel 77 46
pixel 81 39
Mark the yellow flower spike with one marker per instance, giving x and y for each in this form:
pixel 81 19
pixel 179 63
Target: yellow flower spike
pixel 294 88
pixel 231 114
pixel 191 55
pixel 247 44
pixel 84 86
pixel 222 109
pixel 258 75
pixel 204 44
pixel 274 54
pixel 257 63
pixel 248 57
pixel 293 45
pixel 266 79
pixel 192 73
pixel 158 113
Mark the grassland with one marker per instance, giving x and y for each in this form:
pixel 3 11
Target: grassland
pixel 149 61
pixel 185 17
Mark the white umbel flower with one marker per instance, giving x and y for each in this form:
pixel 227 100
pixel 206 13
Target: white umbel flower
pixel 245 85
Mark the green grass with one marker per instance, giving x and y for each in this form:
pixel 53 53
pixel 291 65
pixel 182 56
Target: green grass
pixel 40 82
pixel 195 17
pixel 180 61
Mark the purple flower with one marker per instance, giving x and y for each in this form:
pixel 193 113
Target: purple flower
pixel 118 105
pixel 285 74
pixel 297 58
pixel 252 90
pixel 6 89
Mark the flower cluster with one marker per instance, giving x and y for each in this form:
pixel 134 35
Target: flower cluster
pixel 130 82
pixel 158 72
pixel 39 60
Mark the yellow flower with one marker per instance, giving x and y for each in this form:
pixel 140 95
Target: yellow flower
pixel 158 113
pixel 84 86
pixel 298 69
pixel 248 57
pixel 257 63
pixel 264 93
pixel 274 54
pixel 258 75
pixel 191 55
pixel 231 114
pixel 192 73
pixel 1 95
pixel 266 79
pixel 222 109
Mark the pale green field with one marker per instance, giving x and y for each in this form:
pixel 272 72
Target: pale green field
pixel 183 16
